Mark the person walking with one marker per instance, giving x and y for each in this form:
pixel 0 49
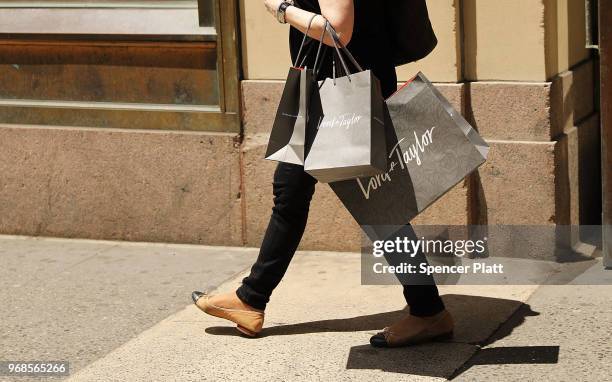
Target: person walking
pixel 361 26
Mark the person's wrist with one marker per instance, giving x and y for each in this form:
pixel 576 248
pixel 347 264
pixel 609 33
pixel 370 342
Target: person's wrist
pixel 281 12
pixel 272 6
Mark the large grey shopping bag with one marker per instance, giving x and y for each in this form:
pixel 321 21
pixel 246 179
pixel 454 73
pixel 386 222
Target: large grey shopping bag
pixel 350 140
pixel 431 149
pixel 297 114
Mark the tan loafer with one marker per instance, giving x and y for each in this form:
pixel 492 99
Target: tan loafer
pixel 412 330
pixel 248 322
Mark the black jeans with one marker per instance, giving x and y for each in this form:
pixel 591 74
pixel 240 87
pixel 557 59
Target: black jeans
pixel 293 190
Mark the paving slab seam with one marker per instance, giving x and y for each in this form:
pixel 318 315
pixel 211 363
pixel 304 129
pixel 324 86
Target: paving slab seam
pixel 160 329
pixel 225 283
pixel 71 266
pixel 481 344
pixel 85 368
pixel 121 242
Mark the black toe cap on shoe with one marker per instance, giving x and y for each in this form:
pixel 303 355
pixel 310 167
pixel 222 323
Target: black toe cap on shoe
pixel 195 295
pixel 379 341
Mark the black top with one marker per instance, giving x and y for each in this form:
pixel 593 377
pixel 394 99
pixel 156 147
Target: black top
pixel 369 43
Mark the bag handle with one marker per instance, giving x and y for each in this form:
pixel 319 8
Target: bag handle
pixel 297 58
pixel 340 48
pixel 316 66
pixel 318 57
pixel 329 29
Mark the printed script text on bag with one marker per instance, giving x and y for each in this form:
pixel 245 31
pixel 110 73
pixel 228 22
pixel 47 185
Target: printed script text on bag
pixel 430 149
pixel 350 141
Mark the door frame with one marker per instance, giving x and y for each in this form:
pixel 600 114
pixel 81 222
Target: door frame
pixel 605 54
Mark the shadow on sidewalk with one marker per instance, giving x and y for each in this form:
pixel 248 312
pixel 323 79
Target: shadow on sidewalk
pixel 476 318
pixel 479 322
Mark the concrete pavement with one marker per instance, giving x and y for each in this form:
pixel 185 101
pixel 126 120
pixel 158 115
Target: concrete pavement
pixel 565 337
pixel 317 325
pixel 77 300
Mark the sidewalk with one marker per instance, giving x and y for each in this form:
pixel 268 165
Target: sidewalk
pixel 317 325
pixel 77 300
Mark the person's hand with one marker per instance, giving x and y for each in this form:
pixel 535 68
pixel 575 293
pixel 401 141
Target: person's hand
pixel 272 6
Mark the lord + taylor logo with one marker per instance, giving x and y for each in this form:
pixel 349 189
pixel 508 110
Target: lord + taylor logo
pixel 413 153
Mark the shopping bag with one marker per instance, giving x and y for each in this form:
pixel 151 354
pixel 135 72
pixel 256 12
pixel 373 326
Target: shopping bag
pixel 350 139
pixel 293 131
pixel 288 135
pixel 431 149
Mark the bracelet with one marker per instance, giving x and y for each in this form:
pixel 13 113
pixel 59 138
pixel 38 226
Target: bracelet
pixel 282 8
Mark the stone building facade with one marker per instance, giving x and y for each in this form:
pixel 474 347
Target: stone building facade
pixel 518 70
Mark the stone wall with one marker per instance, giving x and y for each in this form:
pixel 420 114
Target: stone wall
pixel 517 70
